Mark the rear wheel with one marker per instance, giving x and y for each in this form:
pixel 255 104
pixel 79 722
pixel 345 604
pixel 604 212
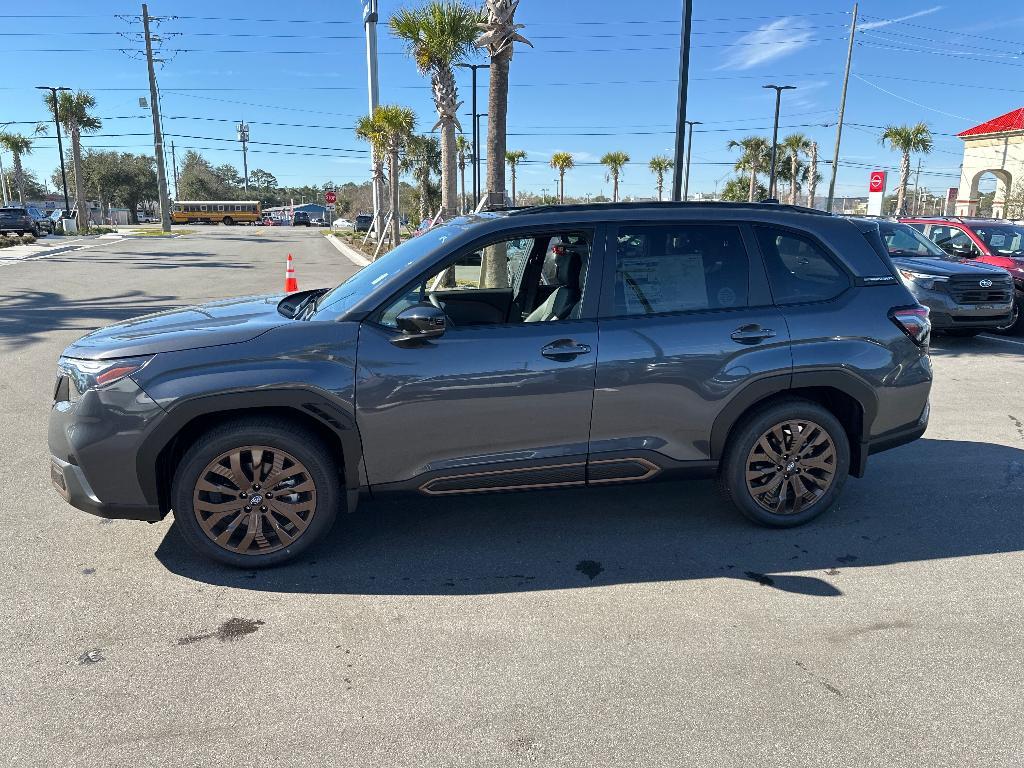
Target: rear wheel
pixel 228 221
pixel 786 463
pixel 256 492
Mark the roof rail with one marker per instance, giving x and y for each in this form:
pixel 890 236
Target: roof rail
pixel 665 204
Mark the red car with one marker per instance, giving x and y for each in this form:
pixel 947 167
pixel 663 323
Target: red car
pixel 987 241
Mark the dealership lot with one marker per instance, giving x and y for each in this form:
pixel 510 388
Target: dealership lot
pixel 620 626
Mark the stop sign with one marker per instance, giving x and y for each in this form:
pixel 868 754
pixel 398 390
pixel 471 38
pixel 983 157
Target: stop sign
pixel 330 197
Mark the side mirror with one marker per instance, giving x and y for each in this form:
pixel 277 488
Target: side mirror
pixel 421 321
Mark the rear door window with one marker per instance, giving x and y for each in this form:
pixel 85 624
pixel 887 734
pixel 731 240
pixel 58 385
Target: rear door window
pixel 679 268
pixel 799 270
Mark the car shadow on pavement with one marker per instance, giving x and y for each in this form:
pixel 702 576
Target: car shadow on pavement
pixel 930 500
pixel 989 346
pixel 27 317
pixel 154 260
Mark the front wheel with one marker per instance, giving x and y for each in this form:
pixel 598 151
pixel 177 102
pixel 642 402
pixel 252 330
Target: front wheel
pixel 785 464
pixel 256 492
pixel 228 221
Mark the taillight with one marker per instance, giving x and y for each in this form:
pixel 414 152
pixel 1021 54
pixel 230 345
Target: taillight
pixel 914 322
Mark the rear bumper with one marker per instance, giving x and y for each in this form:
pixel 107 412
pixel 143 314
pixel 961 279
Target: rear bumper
pixel 71 483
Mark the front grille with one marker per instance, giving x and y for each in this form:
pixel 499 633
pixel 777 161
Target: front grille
pixel 966 290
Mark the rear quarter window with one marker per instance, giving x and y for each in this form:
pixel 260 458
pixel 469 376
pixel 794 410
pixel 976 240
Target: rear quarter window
pixel 799 270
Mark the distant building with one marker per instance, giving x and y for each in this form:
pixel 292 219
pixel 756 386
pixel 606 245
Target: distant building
pixel 995 147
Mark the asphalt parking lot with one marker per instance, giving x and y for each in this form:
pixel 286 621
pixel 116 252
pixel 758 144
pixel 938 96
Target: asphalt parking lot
pixel 620 626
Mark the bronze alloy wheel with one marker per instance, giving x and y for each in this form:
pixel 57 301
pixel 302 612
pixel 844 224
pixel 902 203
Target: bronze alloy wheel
pixel 254 500
pixel 791 466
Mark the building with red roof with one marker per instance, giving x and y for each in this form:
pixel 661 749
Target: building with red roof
pixel 997 147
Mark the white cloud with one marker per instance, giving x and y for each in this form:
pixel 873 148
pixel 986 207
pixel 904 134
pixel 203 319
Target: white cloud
pixel 771 41
pixel 887 22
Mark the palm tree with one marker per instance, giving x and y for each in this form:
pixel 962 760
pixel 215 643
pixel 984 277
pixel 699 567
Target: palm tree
pixel 500 32
pixel 906 139
pixel 756 155
pixel 422 156
pixel 369 130
pixel 615 161
pixel 513 157
pixel 794 147
pixel 17 145
pixel 660 165
pixel 74 116
pixel 812 175
pixel 391 126
pixel 562 162
pixel 461 147
pixel 439 35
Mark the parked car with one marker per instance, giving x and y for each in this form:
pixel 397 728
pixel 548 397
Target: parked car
pixel 771 345
pixel 44 225
pixel 982 241
pixel 269 221
pixel 363 222
pixel 318 222
pixel 342 224
pixel 18 220
pixel 300 219
pixel 963 298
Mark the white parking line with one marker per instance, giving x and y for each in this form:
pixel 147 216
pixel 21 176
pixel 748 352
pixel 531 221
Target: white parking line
pixel 1000 338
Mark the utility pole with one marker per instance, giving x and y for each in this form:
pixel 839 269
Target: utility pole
pixel 370 24
pixel 684 79
pixel 476 132
pixel 775 135
pixel 3 181
pixel 842 111
pixel 158 139
pixel 917 188
pixel 689 148
pixel 243 136
pixel 174 168
pixel 60 145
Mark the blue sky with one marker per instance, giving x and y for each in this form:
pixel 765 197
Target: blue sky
pixel 602 76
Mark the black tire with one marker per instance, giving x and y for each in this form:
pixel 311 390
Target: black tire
pixel 732 475
pixel 319 467
pixel 227 221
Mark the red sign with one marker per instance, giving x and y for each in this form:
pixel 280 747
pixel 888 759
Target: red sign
pixel 330 197
pixel 877 181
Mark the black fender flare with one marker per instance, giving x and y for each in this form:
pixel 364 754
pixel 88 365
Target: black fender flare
pixel 305 400
pixel 839 379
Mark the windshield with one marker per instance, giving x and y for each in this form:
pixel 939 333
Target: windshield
pixel 903 240
pixel 404 258
pixel 1003 240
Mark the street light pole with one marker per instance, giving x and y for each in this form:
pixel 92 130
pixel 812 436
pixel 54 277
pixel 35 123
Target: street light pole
pixel 684 78
pixel 689 148
pixel 60 145
pixel 775 133
pixel 370 23
pixel 476 131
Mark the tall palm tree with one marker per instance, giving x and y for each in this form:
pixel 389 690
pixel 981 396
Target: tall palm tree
pixel 812 175
pixel 499 33
pixel 615 161
pixel 660 165
pixel 461 148
pixel 369 130
pixel 391 126
pixel 906 139
pixel 562 162
pixel 438 35
pixel 513 158
pixel 756 155
pixel 17 145
pixel 794 147
pixel 75 118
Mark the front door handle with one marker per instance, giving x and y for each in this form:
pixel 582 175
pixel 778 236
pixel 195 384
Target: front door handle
pixel 751 334
pixel 564 349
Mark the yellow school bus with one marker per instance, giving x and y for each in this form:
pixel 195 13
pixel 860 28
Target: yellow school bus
pixel 212 211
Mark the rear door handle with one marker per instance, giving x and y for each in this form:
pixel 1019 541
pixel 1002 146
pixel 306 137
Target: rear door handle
pixel 751 334
pixel 564 349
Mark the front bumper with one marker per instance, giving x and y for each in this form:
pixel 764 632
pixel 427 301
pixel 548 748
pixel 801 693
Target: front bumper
pixel 72 485
pixel 945 314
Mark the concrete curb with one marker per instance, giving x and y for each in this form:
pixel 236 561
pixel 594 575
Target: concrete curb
pixel 348 251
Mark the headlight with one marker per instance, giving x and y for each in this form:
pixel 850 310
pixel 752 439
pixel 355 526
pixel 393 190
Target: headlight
pixel 83 375
pixel 924 281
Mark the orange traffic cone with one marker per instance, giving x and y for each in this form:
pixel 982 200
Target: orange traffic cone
pixel 291 285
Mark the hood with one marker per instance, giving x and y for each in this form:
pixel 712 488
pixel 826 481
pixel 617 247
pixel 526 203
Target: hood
pixel 229 321
pixel 940 267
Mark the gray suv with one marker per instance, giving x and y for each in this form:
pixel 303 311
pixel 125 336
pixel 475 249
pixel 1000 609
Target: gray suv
pixel 772 346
